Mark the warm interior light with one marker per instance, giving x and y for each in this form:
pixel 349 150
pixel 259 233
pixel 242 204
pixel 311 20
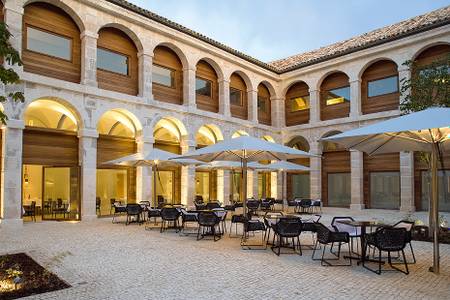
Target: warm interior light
pixel 335 101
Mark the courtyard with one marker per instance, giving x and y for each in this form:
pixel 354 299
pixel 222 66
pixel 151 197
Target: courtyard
pixel 101 260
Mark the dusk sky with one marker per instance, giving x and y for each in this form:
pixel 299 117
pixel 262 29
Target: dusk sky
pixel 270 30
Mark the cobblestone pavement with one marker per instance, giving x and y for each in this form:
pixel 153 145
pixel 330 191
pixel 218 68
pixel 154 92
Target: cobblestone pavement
pixel 113 261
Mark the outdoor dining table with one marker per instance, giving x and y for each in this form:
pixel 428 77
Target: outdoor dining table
pixel 363 225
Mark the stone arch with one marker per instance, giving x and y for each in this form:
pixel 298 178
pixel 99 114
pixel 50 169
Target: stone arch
pixel 119 117
pixel 325 76
pixel 245 77
pixel 211 132
pixel 58 3
pixel 173 125
pixel 181 55
pixel 63 106
pixel 330 146
pixel 428 46
pixel 299 142
pixel 127 30
pixel 291 84
pixel 373 61
pixel 269 86
pixel 239 133
pixel 214 65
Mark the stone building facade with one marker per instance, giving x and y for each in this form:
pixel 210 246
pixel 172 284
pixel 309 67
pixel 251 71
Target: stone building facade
pixel 89 97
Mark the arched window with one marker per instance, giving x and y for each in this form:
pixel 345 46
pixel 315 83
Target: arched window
pixel 167 76
pixel 117 62
pixel 49 49
pixel 335 97
pixel 297 104
pixel 380 87
pixel 238 97
pixel 264 105
pixel 206 87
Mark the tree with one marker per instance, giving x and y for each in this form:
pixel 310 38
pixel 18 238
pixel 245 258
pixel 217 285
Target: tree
pixel 7 75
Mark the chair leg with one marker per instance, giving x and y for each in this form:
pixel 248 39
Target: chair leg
pixel 412 252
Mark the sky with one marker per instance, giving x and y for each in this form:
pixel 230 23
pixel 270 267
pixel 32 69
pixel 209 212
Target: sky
pixel 274 29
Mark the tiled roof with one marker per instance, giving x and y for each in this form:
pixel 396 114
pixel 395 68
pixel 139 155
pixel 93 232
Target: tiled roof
pixel 428 21
pixel 436 18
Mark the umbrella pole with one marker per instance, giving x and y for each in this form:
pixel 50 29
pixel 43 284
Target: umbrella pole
pixel 434 207
pixel 154 186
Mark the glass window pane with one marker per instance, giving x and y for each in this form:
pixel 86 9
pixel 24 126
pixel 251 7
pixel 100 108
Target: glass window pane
pixel 443 190
pixel 337 96
pixel 165 185
pixel 262 104
pixel 202 185
pixel 300 186
pixel 236 186
pixel 385 190
pixel 235 97
pixel 203 87
pixel 339 189
pixel 111 61
pixel 112 185
pixel 163 76
pixel 382 86
pixel 299 103
pixel 49 44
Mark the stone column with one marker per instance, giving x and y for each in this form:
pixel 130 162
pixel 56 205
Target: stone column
pixel 13 14
pixel 250 184
pixel 89 58
pixel 357 179
pixel 224 98
pixel 407 203
pixel 316 171
pixel 87 139
pixel 314 106
pixel 189 87
pixel 223 186
pixel 255 184
pixel 187 176
pixel 281 181
pixel 144 183
pixel 355 99
pixel 145 76
pixel 11 176
pixel 274 184
pixel 404 73
pixel 278 112
pixel 253 106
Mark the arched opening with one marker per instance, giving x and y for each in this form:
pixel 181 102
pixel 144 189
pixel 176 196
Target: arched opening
pixel 206 87
pixel 167 76
pixel 206 180
pixel 117 61
pixel 239 133
pixel 117 133
pixel 298 182
pixel 264 105
pixel 50 171
pixel 297 104
pixel 335 97
pixel 336 178
pixel 50 50
pixel 380 87
pixel 433 54
pixel 238 97
pixel 168 133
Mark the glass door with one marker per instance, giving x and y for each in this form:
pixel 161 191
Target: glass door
pixel 264 182
pixel 202 185
pixel 165 186
pixel 385 190
pixel 443 190
pixel 112 186
pixel 236 185
pixel 61 193
pixel 339 189
pixel 300 186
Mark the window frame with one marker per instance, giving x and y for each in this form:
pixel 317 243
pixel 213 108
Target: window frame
pixel 381 78
pixel 337 88
pixel 211 87
pixel 70 39
pixel 173 71
pixel 119 53
pixel 241 93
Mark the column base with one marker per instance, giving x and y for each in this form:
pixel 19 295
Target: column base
pixel 408 209
pixel 11 223
pixel 357 206
pixel 89 218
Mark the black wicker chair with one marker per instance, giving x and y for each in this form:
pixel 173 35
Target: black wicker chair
pixel 133 211
pixel 316 206
pixel 186 218
pixel 327 237
pixel 236 219
pixel 30 211
pixel 252 206
pixel 287 228
pixel 253 226
pixel 267 221
pixel 212 205
pixel 152 213
pixel 207 223
pixel 305 205
pixel 408 225
pixel 118 210
pixel 292 203
pixel 98 204
pixel 309 226
pixel 266 204
pixel 161 202
pixel 354 232
pixel 169 215
pixel 112 208
pixel 388 239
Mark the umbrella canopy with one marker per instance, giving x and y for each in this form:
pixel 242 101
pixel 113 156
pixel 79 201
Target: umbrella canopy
pixel 229 165
pixel 154 157
pixel 426 131
pixel 245 148
pixel 280 166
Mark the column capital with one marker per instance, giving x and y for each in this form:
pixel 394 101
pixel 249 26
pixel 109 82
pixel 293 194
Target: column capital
pixel 15 124
pixel 274 98
pixel 89 34
pixel 145 139
pixel 144 54
pixel 88 133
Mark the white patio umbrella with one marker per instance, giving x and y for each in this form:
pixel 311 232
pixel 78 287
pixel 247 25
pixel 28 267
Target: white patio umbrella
pixel 426 131
pixel 153 158
pixel 245 149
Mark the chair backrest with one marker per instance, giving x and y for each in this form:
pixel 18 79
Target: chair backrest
pixel 342 227
pixel 97 201
pixel 33 205
pixel 207 218
pixel 199 198
pixel 305 202
pixel 59 200
pixel 200 206
pixel 390 238
pixel 252 204
pixel 408 225
pixel 289 226
pixel 270 199
pixel 169 213
pixel 317 202
pixel 212 205
pixel 316 218
pixel 323 233
pixel 133 208
pixel 112 201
